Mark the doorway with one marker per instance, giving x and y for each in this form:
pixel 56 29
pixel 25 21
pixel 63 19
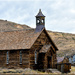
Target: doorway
pixel 41 60
pixel 49 62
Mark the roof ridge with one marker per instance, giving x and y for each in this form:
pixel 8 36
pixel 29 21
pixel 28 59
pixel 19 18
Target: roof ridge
pixel 17 30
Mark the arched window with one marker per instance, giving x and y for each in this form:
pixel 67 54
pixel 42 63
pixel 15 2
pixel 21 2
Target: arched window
pixel 38 21
pixel 42 21
pixel 35 57
pixel 7 62
pixel 20 57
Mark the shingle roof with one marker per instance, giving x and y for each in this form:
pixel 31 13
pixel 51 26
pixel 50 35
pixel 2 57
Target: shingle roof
pixel 45 48
pixel 22 39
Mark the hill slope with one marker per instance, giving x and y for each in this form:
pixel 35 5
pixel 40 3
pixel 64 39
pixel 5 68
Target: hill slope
pixel 8 26
pixel 64 41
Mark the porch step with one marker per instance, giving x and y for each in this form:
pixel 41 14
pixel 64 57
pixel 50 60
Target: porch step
pixel 53 71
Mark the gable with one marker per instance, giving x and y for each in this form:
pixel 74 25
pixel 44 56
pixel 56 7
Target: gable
pixel 51 41
pixel 44 39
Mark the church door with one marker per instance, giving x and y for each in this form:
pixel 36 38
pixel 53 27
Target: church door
pixel 41 60
pixel 49 61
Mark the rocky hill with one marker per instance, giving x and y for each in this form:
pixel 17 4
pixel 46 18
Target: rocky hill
pixel 64 41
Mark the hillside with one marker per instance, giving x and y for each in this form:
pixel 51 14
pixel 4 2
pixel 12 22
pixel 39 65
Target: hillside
pixel 8 26
pixel 64 41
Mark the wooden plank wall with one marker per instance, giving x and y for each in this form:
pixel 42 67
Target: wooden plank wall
pixel 14 59
pixel 54 60
pixel 32 59
pixel 42 40
pixel 2 58
pixel 25 59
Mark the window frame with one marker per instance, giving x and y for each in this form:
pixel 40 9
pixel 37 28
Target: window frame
pixel 7 57
pixel 35 56
pixel 20 54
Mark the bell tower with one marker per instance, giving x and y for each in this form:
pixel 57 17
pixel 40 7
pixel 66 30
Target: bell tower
pixel 40 21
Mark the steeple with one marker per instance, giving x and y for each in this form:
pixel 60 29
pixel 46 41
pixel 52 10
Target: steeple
pixel 40 13
pixel 40 21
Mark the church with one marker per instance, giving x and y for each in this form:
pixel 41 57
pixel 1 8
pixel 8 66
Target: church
pixel 28 48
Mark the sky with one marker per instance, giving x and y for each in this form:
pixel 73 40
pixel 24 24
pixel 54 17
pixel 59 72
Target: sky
pixel 60 14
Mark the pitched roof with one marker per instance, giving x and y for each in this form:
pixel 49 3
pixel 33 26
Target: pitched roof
pixel 45 48
pixel 22 39
pixel 40 13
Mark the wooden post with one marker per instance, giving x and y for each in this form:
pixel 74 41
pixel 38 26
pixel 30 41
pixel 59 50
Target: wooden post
pixel 45 62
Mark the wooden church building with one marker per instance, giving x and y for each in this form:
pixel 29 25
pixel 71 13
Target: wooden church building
pixel 28 48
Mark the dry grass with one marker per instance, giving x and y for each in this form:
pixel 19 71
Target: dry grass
pixel 29 71
pixel 22 71
pixel 73 69
pixel 64 41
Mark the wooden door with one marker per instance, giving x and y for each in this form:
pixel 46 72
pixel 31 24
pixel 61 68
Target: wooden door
pixel 41 59
pixel 49 65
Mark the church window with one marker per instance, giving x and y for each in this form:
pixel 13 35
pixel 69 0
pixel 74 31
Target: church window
pixel 38 21
pixel 20 57
pixel 7 62
pixel 42 21
pixel 35 57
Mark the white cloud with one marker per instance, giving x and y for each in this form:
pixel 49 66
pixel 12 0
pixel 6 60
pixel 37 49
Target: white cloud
pixel 72 11
pixel 60 14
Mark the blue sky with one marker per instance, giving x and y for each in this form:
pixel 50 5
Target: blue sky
pixel 60 14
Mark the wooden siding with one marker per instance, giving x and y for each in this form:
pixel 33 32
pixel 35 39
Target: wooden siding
pixel 14 59
pixel 2 58
pixel 64 67
pixel 32 59
pixel 43 39
pixel 25 58
pixel 42 62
